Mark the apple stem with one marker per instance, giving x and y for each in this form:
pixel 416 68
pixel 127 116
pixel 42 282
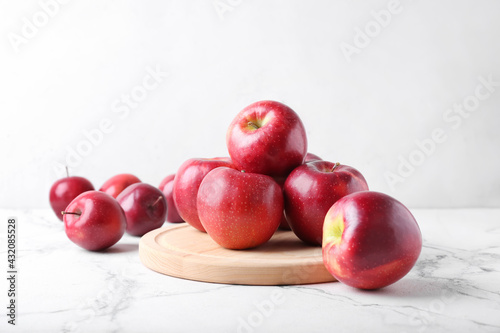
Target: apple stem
pixel 157 200
pixel 335 166
pixel 252 124
pixel 70 213
pixel 67 172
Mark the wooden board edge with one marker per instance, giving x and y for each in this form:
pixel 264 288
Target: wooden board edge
pixel 192 268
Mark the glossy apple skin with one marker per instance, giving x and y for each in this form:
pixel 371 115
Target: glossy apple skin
pixel 101 223
pixel 239 210
pixel 379 244
pixel 275 148
pixel 186 183
pixel 311 189
pixel 65 190
pixel 312 157
pixel 116 184
pixel 281 181
pixel 167 187
pixel 145 208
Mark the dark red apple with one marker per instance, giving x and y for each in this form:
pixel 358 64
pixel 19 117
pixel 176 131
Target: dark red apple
pixel 94 220
pixel 186 183
pixel 65 190
pixel 116 184
pixel 370 240
pixel 311 189
pixel 267 137
pixel 281 181
pixel 167 187
pixel 145 208
pixel 239 210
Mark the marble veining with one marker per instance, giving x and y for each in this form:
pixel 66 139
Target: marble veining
pixel 454 287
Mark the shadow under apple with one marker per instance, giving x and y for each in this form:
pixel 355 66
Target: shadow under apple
pixel 413 287
pixel 122 248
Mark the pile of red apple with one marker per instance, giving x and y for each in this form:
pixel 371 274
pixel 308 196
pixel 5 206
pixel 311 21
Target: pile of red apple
pixel 96 220
pixel 269 181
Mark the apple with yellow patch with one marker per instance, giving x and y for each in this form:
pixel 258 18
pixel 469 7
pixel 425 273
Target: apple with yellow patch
pixel 370 240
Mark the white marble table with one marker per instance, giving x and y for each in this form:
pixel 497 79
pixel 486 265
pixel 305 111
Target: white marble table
pixel 455 287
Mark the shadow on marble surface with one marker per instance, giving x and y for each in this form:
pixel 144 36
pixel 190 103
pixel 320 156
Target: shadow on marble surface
pixel 122 248
pixel 413 288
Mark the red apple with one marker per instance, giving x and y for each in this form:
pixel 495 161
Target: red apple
pixel 145 208
pixel 186 183
pixel 165 181
pixel 312 157
pixel 311 189
pixel 239 210
pixel 267 137
pixel 370 240
pixel 65 190
pixel 167 187
pixel 116 184
pixel 94 220
pixel 281 181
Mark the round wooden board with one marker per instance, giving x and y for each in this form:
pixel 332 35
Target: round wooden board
pixel 184 252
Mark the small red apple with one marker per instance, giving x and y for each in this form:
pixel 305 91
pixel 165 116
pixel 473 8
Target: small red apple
pixel 239 210
pixel 145 208
pixel 94 220
pixel 267 137
pixel 186 183
pixel 311 189
pixel 65 190
pixel 167 187
pixel 370 240
pixel 116 184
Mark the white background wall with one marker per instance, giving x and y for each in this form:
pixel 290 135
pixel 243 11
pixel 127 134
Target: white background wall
pixel 67 73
